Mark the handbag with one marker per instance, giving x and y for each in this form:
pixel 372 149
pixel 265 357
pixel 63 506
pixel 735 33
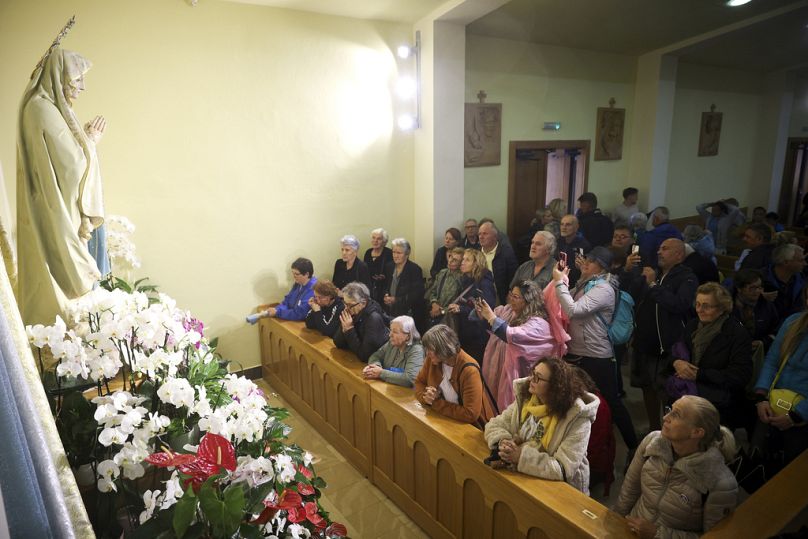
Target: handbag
pixel 782 401
pixel 677 387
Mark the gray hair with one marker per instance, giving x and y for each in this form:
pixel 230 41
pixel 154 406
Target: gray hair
pixel 706 417
pixel 490 223
pixel 785 253
pixel 351 241
pixel 693 233
pixel 408 327
pixel 442 340
pixel 356 292
pixel 549 239
pixel 382 232
pixel 638 219
pixel 404 244
pixel 662 214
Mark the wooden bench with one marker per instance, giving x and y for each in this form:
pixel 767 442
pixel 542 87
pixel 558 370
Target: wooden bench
pixel 429 465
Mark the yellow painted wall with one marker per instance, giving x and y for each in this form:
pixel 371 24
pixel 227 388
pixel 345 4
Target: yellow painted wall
pixel 536 84
pixel 239 138
pixel 731 173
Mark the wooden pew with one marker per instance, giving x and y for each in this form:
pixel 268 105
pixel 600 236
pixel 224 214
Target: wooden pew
pixel 771 508
pixel 429 465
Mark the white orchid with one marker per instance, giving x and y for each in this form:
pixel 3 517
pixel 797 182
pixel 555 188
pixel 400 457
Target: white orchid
pixel 177 391
pixel 108 472
pixel 285 467
pixel 150 499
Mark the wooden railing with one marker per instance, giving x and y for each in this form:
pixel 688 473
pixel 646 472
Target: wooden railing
pixel 429 465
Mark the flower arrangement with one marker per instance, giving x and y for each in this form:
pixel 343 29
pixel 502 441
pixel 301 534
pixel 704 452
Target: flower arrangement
pixel 239 479
pixel 120 247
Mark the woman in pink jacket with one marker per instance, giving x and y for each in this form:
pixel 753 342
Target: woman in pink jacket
pixel 520 336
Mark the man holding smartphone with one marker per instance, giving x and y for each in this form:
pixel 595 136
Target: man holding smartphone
pixel 573 245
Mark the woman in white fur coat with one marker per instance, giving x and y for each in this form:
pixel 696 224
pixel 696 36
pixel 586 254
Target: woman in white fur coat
pixel 545 432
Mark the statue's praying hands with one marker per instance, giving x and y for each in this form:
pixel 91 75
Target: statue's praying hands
pixel 95 128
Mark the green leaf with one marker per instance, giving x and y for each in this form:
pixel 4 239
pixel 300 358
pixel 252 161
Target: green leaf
pixel 214 342
pixel 224 515
pixel 249 531
pixel 155 526
pixel 184 512
pixel 256 503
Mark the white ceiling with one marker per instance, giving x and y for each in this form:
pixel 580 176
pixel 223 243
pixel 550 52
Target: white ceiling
pixel 408 11
pixel 621 26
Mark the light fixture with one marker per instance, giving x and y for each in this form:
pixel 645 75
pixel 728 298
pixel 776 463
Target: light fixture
pixel 406 122
pixel 408 88
pixel 736 3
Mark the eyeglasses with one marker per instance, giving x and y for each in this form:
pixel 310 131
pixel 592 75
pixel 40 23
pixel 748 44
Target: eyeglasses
pixel 349 306
pixel 536 378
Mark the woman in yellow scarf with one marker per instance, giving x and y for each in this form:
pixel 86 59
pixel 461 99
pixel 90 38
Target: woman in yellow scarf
pixel 545 432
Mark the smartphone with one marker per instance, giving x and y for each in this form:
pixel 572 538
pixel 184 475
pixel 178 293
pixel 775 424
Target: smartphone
pixel 562 259
pixel 635 249
pixel 580 251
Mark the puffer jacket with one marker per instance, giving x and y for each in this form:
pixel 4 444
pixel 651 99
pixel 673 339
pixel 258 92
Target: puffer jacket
pixel 565 459
pixel 684 497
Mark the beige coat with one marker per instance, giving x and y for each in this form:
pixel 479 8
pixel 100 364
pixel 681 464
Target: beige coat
pixel 685 497
pixel 565 459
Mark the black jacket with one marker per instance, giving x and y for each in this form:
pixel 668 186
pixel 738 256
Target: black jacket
pixel 764 324
pixel 663 310
pixel 473 333
pixel 758 258
pixel 376 268
pixel 368 334
pixel 569 249
pixel 439 262
pixel 504 266
pixel 409 292
pixel 725 368
pixel 703 267
pixel 358 273
pixel 326 320
pixel 596 228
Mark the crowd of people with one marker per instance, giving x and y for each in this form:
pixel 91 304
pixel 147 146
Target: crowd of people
pixel 527 351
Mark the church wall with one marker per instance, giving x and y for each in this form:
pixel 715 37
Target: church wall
pixel 239 137
pixel 540 83
pixel 734 172
pixel 798 126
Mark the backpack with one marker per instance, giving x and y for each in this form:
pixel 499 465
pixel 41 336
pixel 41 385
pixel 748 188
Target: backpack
pixel 622 325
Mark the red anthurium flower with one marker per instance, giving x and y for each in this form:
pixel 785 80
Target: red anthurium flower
pixel 308 474
pixel 288 500
pixel 296 515
pixel 313 514
pixel 336 530
pixel 304 489
pixel 166 458
pixel 217 450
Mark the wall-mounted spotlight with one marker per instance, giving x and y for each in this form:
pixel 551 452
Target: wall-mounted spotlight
pixel 736 3
pixel 408 88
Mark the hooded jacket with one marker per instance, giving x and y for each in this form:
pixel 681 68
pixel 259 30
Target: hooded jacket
pixel 368 334
pixel 683 497
pixel 565 459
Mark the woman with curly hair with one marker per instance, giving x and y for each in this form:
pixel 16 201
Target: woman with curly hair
pixel 520 335
pixel 545 431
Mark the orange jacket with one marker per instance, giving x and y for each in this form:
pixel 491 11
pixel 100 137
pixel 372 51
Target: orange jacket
pixel 476 407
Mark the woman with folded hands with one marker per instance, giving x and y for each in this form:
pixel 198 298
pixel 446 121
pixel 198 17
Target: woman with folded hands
pixel 545 432
pixel 400 358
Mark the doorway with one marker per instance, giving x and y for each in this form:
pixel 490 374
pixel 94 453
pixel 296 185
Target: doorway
pixel 793 187
pixel 538 172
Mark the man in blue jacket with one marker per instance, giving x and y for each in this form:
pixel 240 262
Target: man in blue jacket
pixel 651 240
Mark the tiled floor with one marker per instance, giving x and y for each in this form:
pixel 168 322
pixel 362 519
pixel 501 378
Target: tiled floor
pixel 349 498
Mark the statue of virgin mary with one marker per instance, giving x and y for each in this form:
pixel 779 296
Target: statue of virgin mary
pixel 59 197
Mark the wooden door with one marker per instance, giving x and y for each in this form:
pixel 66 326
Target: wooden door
pixel 529 190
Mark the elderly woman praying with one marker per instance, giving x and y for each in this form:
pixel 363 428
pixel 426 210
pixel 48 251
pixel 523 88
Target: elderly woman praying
pixel 399 359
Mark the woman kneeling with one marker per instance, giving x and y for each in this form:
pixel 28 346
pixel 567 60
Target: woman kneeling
pixel 545 432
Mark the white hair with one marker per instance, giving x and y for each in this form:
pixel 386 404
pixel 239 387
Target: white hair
pixel 382 232
pixel 351 241
pixel 408 327
pixel 404 244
